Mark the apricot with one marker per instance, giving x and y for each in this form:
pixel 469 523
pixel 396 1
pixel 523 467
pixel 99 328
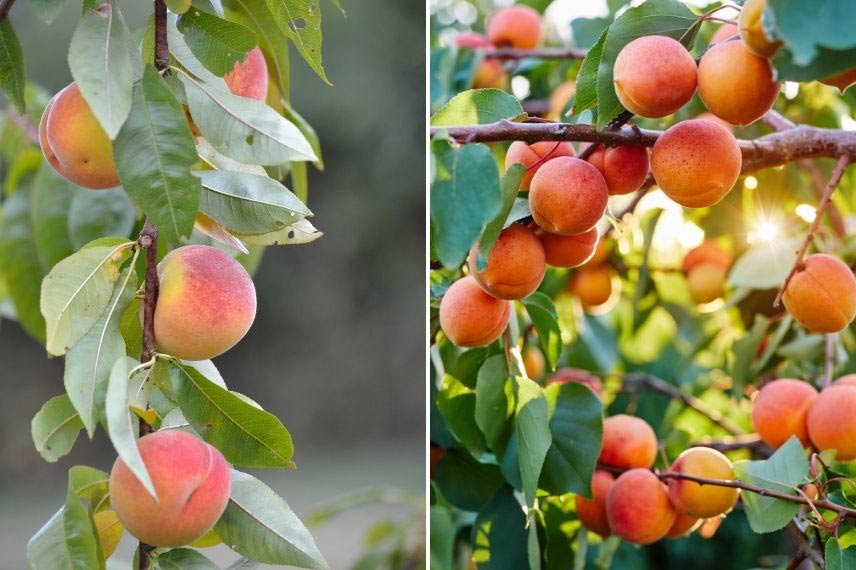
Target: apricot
pixel 846 380
pixel 534 362
pixel 638 507
pixel 752 32
pixel 706 282
pixel 723 33
pixel 534 156
pixel 601 254
pixel 515 265
pixel 841 80
pixel 74 143
pixel 702 501
pixel 516 26
pixel 735 84
pixel 696 162
pixel 628 442
pixel 832 421
pixel 683 525
pixel 559 99
pixel 565 375
pixel 192 482
pixel 592 512
pixel 490 75
pixel 811 491
pixel 780 409
pixel 708 116
pixel 625 168
pixel 822 294
pixel 470 317
pixel 249 78
pixel 207 303
pixel 592 285
pixel 654 76
pixel 567 196
pixel 569 251
pixel 706 252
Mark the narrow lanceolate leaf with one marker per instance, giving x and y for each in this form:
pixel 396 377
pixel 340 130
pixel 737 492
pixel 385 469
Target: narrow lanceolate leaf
pixel 244 129
pixel 260 525
pixel 154 152
pixel 100 63
pixel 219 161
pixel 300 20
pixel 88 363
pixel 248 203
pixel 301 232
pixel 182 53
pixel 55 428
pixel 247 436
pixel 12 78
pixel 183 559
pixel 76 292
pixel 218 43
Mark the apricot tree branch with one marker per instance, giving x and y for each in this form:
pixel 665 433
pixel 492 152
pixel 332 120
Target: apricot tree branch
pixel 5 6
pixel 510 54
pixel 752 443
pixel 161 45
pixel 805 550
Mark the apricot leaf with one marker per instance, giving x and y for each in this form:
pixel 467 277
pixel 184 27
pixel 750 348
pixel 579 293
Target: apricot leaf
pixel 494 403
pixel 533 434
pixel 838 558
pixel 806 27
pixel 543 314
pixel 300 21
pixel 478 107
pixel 457 404
pixel 499 534
pixel 183 559
pixel 12 76
pixel 55 428
pixel 465 482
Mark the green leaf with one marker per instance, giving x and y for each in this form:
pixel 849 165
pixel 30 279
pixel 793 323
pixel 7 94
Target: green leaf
pixel 499 538
pixel 465 482
pixel 533 434
pixel 457 404
pixel 12 76
pixel 49 203
pixel 47 10
pixel 218 43
pixel 178 6
pixel 181 54
pixel 100 63
pixel 92 215
pixel 837 558
pixel 494 402
pixel 509 187
pixel 442 538
pixel 826 63
pixel 301 232
pixel 586 95
pixel 89 483
pixel 805 28
pixel 300 20
pixel 81 538
pixel 289 113
pixel 765 266
pixel 246 435
pixel 544 316
pixel 478 107
pixel 55 428
pixel 76 292
pixel 260 525
pixel 183 559
pixel 744 350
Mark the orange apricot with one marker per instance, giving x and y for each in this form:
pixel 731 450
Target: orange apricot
pixel 707 252
pixel 683 525
pixel 565 375
pixel 723 33
pixel 625 168
pixel 592 512
pixel 706 282
pixel 515 265
pixel 592 285
pixel 534 156
pixel 569 251
pixel 752 32
pixel 628 442
pixel 779 411
pixel 702 501
pixel 822 294
pixel 490 75
pixel 567 196
pixel 470 317
pixel 534 362
pixel 559 99
pixel 638 507
pixel 832 421
pixel 516 26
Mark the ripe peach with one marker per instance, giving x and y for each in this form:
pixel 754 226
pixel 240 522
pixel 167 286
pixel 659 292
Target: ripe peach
pixel 490 75
pixel 752 32
pixel 534 362
pixel 654 76
pixel 565 375
pixel 207 303
pixel 779 411
pixel 192 482
pixel 534 156
pixel 249 78
pixel 470 317
pixel 822 294
pixel 515 266
pixel 723 33
pixel 559 99
pixel 683 525
pixel 567 196
pixel 74 142
pixel 625 168
pixel 832 421
pixel 735 84
pixel 516 26
pixel 696 162
pixel 592 512
pixel 706 282
pixel 592 285
pixel 707 252
pixel 638 507
pixel 702 501
pixel 841 80
pixel 569 251
pixel 628 442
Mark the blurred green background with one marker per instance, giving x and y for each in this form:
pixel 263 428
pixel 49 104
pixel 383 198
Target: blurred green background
pixel 337 348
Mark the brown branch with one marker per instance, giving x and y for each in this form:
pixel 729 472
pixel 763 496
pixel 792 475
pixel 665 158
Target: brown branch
pixel 507 54
pixel 161 44
pixel 751 443
pixel 805 550
pixel 5 6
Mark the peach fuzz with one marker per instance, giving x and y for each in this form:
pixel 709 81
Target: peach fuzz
pixel 592 512
pixel 702 501
pixel 841 80
pixel 625 168
pixel 516 26
pixel 779 411
pixel 569 251
pixel 515 265
pixel 683 525
pixel 207 303
pixel 192 482
pixel 249 78
pixel 706 282
pixel 592 285
pixel 707 252
pixel 470 317
pixel 534 156
pixel 822 295
pixel 654 76
pixel 723 33
pixel 735 84
pixel 565 375
pixel 638 507
pixel 752 32
pixel 832 421
pixel 628 442
pixel 696 162
pixel 567 196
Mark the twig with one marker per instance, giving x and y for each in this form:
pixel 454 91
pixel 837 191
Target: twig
pixel 752 443
pixel 804 547
pixel 507 54
pixel 5 6
pixel 161 45
pixel 829 359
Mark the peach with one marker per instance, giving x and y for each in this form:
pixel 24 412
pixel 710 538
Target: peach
pixel 559 99
pixel 592 512
pixel 723 33
pixel 565 375
pixel 567 196
pixel 752 32
pixel 780 409
pixel 706 282
pixel 192 482
pixel 628 442
pixel 654 76
pixel 534 362
pixel 516 26
pixel 470 317
pixel 592 285
pixel 625 168
pixel 569 251
pixel 515 265
pixel 683 525
pixel 207 303
pixel 534 156
pixel 707 252
pixel 696 162
pixel 841 80
pixel 822 294
pixel 249 78
pixel 74 143
pixel 735 84
pixel 832 421
pixel 702 501
pixel 638 507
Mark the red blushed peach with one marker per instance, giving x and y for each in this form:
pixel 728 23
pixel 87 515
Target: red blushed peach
pixel 569 251
pixel 707 252
pixel 780 409
pixel 249 78
pixel 207 303
pixel 567 196
pixel 516 26
pixel 822 294
pixel 470 317
pixel 515 266
pixel 683 525
pixel 832 421
pixel 592 512
pixel 592 285
pixel 638 507
pixel 625 168
pixel 565 375
pixel 192 483
pixel 723 33
pixel 628 442
pixel 702 501
pixel 534 156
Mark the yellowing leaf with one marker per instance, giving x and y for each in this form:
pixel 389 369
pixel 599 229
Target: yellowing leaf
pixel 110 531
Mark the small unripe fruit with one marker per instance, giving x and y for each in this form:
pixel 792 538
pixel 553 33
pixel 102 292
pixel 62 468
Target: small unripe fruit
pixel 696 163
pixel 841 80
pixel 628 442
pixel 654 76
pixel 567 196
pixel 706 282
pixel 534 156
pixel 559 99
pixel 702 501
pixel 534 362
pixel 592 512
pixel 625 168
pixel 752 32
pixel 565 375
pixel 515 265
pixel 780 409
pixel 638 507
pixel 592 285
pixel 811 491
pixel 249 78
pixel 516 26
pixel 683 525
pixel 723 33
pixel 822 295
pixel 470 317
pixel 832 421
pixel 569 251
pixel 707 252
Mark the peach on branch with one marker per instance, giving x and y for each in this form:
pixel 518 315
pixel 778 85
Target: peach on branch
pixel 470 317
pixel 694 499
pixel 516 26
pixel 534 156
pixel 780 409
pixel 832 421
pixel 567 196
pixel 628 442
pixel 569 251
pixel 515 265
pixel 821 295
pixel 592 512
pixel 625 168
pixel 249 78
pixel 638 507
